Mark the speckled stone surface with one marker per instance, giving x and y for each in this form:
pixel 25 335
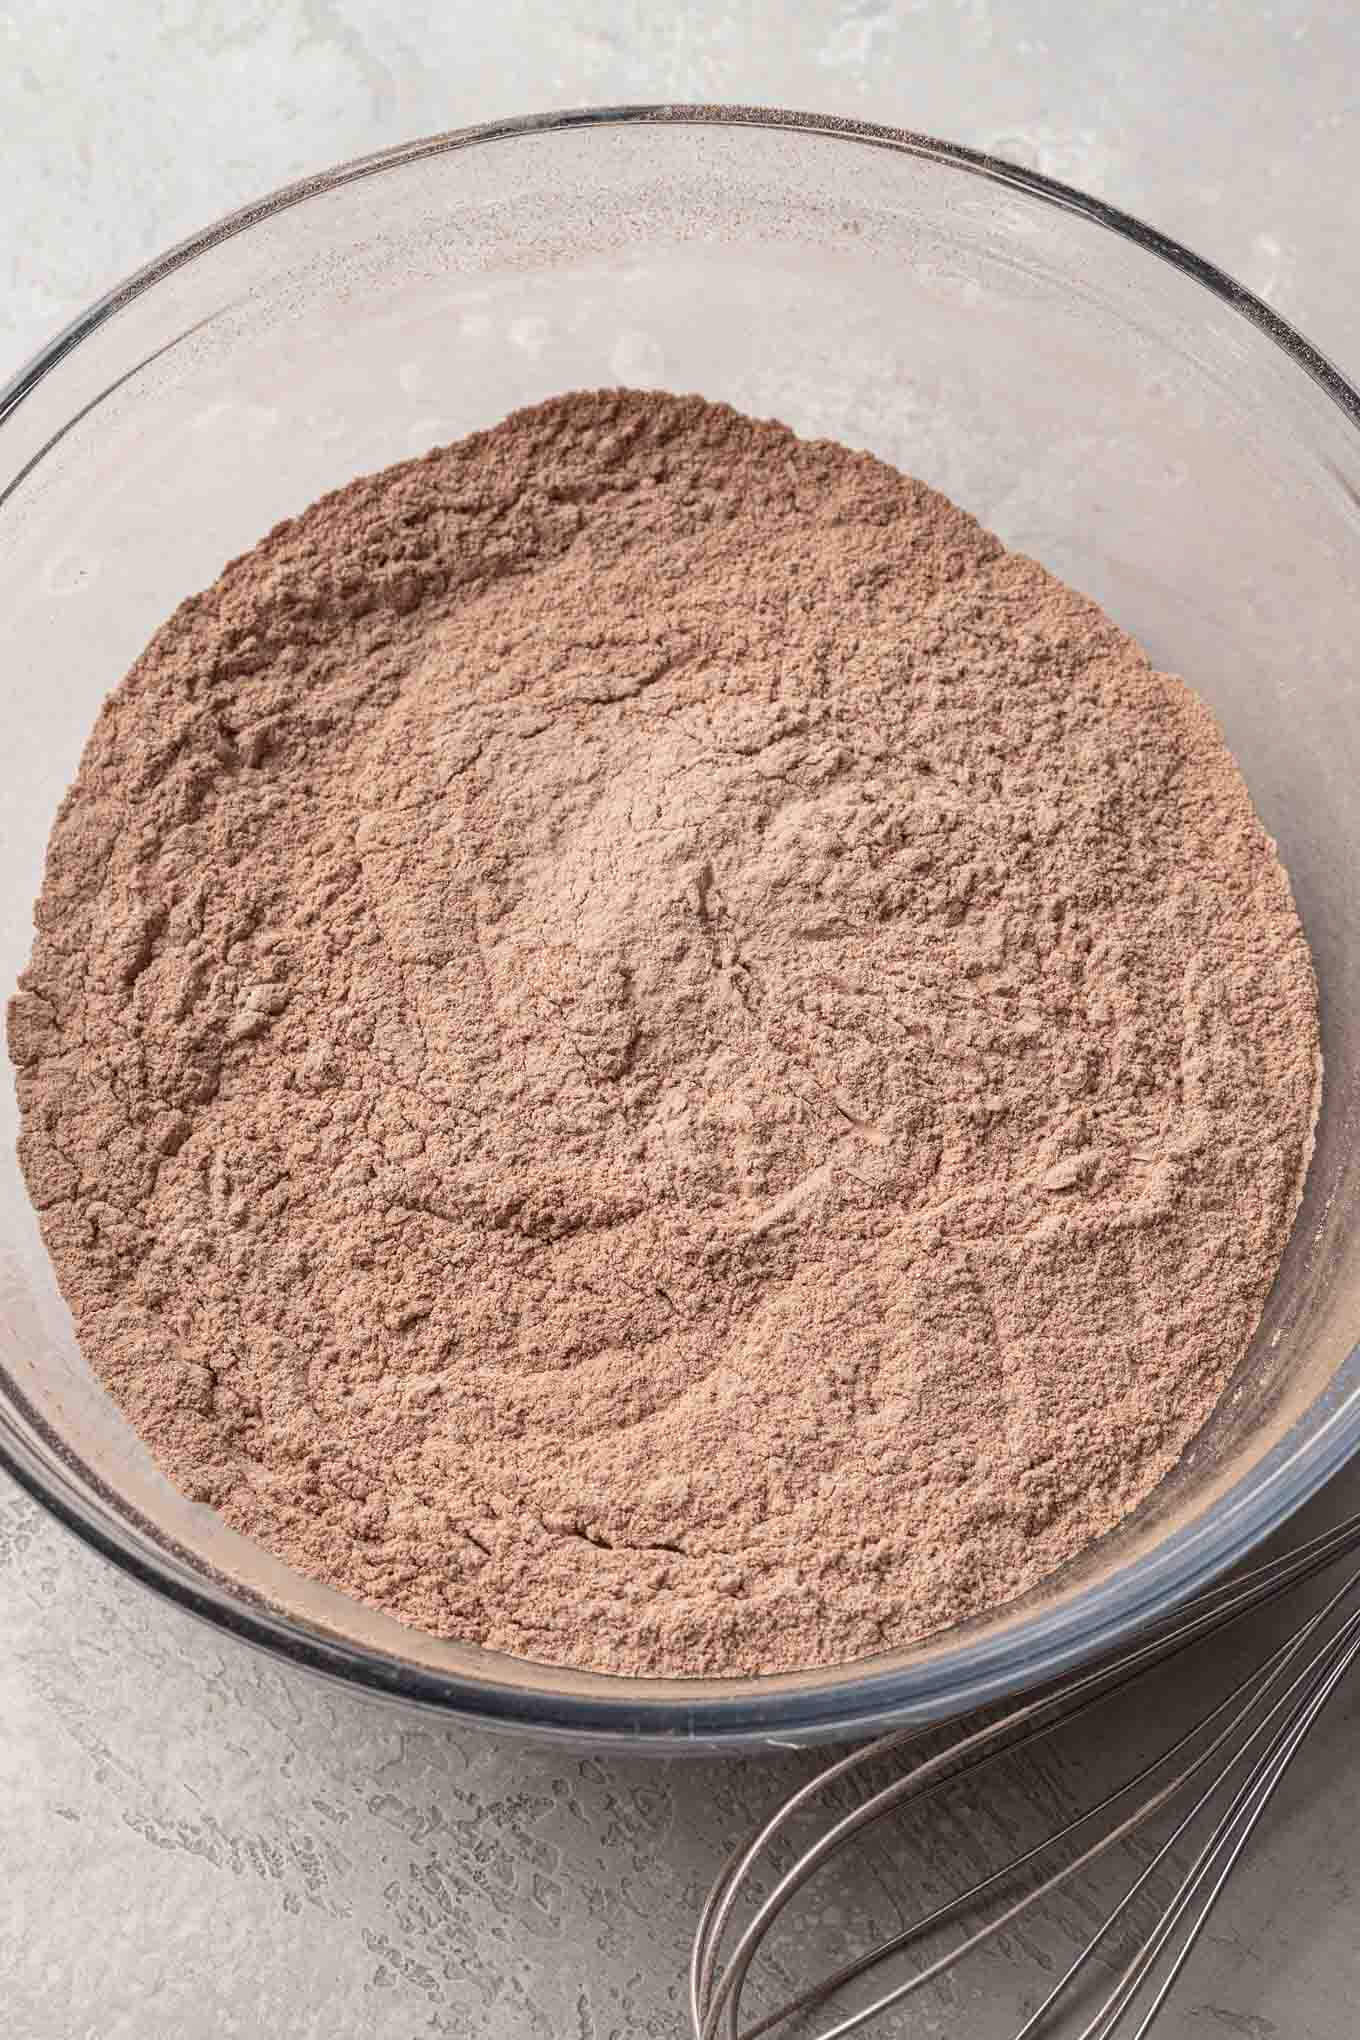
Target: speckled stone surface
pixel 198 1844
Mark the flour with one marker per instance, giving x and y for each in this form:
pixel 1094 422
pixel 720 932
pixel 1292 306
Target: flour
pixel 644 1049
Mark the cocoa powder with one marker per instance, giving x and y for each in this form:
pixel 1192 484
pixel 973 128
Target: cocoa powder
pixel 644 1049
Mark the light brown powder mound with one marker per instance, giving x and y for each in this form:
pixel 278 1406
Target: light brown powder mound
pixel 644 1049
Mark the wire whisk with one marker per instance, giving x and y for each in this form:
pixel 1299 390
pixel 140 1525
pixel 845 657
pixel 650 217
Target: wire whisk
pixel 1213 1782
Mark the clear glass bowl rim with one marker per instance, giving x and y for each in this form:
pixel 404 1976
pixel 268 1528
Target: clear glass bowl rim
pixel 852 1699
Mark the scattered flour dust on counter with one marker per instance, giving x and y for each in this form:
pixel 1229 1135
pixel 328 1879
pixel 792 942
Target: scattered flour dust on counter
pixel 644 1049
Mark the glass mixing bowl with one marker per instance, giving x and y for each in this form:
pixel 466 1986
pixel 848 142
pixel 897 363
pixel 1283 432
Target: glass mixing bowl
pixel 1098 396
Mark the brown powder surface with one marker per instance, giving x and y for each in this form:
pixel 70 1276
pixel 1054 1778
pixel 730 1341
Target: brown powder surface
pixel 644 1049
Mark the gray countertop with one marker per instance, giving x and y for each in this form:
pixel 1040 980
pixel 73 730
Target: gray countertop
pixel 199 1843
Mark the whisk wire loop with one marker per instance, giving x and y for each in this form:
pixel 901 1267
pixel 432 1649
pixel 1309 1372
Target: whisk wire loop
pixel 1260 1745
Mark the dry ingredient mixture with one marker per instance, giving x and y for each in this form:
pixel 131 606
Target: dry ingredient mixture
pixel 644 1049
